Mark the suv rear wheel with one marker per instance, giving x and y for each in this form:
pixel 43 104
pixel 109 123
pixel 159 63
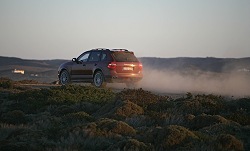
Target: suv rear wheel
pixel 64 77
pixel 98 80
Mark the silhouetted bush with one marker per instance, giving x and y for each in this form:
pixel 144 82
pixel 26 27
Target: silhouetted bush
pixel 129 145
pixel 170 137
pixel 62 110
pixel 161 106
pixel 14 117
pixel 242 117
pixel 209 104
pixel 6 83
pixel 118 127
pixel 32 101
pixel 119 110
pixel 75 93
pixel 36 100
pixel 141 97
pixel 128 109
pixel 221 128
pixel 225 142
pixel 77 116
pixel 204 120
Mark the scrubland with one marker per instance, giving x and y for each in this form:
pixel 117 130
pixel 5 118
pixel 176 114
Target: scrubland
pixel 76 117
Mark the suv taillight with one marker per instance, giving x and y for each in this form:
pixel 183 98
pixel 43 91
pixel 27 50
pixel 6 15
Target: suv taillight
pixel 140 66
pixel 112 65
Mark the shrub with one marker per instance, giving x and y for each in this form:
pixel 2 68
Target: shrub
pixel 14 117
pixel 6 83
pixel 118 127
pixel 244 103
pixel 88 107
pixel 9 131
pixel 222 128
pixel 53 128
pixel 33 101
pixel 239 104
pixel 161 106
pixel 138 121
pixel 241 117
pixel 62 110
pixel 209 104
pixel 225 142
pixel 128 109
pixel 119 110
pixel 178 135
pixel 204 120
pixel 72 94
pixel 141 97
pixel 170 137
pixel 78 116
pixel 130 144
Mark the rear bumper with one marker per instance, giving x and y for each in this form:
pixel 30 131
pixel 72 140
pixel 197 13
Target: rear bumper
pixel 123 78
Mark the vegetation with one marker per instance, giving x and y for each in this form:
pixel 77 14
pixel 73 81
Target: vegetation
pixel 78 117
pixel 6 83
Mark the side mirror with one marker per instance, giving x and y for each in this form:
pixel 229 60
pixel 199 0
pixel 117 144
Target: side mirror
pixel 74 60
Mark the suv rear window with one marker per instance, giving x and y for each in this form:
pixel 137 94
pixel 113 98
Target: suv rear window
pixel 124 56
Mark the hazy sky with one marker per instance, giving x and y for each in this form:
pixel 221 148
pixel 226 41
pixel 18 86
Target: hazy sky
pixel 62 29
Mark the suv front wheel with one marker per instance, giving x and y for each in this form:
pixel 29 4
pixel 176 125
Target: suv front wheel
pixel 64 77
pixel 98 80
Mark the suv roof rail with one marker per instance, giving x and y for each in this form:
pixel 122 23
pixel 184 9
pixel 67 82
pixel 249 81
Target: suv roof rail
pixel 100 49
pixel 120 49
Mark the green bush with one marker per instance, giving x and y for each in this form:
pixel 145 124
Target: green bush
pixel 62 110
pixel 128 109
pixel 6 83
pixel 77 116
pixel 14 117
pixel 241 117
pixel 204 120
pixel 221 128
pixel 33 101
pixel 119 110
pixel 209 104
pixel 75 93
pixel 130 144
pixel 141 97
pixel 114 126
pixel 170 137
pixel 225 142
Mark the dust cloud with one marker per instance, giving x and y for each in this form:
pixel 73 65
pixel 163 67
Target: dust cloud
pixel 230 84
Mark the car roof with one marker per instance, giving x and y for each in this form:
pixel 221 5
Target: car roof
pixel 117 49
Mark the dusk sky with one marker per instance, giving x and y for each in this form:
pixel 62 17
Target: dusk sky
pixel 63 29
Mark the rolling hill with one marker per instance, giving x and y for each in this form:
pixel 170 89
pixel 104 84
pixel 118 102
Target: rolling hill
pixel 41 70
pixel 46 70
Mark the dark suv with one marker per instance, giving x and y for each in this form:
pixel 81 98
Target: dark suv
pixel 101 66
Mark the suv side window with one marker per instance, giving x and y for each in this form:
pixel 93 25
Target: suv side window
pixel 84 57
pixel 95 56
pixel 104 56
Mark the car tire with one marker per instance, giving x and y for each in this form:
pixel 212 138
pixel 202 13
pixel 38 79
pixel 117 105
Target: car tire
pixel 64 78
pixel 98 80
